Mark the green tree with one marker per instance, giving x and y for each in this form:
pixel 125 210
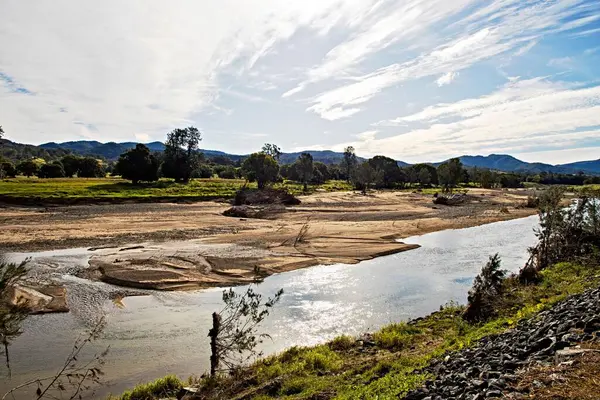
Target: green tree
pixel 424 177
pixel 71 164
pixel 450 173
pixel 52 170
pixel 203 171
pixel 349 162
pixel 28 168
pixel 8 169
pixel 89 167
pixel 305 169
pixel 430 168
pixel 389 170
pixel 272 150
pixel 181 153
pixel 229 172
pixel 138 164
pixel 321 173
pixel 365 176
pixel 260 167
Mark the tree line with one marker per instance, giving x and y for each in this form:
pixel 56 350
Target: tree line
pixel 182 161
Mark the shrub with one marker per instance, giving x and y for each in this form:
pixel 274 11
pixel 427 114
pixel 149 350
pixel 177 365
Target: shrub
pixel 396 336
pixel 486 287
pixel 343 342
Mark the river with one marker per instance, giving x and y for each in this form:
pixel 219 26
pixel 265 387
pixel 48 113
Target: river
pixel 165 332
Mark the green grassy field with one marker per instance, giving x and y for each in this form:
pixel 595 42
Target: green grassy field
pixel 114 189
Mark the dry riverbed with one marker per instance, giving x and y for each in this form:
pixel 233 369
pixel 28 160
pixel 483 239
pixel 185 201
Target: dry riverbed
pixel 168 246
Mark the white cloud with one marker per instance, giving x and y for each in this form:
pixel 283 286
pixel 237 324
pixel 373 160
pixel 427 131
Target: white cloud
pixel 142 137
pixel 141 65
pixel 518 117
pixel 562 63
pixel 447 78
pixel 525 49
pixel 591 51
pixel 493 30
pixel 366 135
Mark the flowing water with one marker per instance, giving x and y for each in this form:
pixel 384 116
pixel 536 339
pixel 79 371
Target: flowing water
pixel 163 333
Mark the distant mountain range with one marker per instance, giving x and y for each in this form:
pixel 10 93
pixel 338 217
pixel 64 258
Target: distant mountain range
pixel 111 151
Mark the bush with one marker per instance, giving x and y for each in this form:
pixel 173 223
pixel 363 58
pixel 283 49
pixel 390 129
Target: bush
pixel 341 343
pixel 486 288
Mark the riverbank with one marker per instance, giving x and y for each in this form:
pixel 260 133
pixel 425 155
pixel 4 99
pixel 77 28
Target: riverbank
pixel 428 356
pixel 170 246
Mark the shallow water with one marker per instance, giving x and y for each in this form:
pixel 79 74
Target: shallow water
pixel 166 332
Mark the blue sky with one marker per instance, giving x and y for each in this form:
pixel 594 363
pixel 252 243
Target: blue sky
pixel 417 80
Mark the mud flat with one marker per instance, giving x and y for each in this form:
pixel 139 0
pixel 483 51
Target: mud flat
pixel 189 246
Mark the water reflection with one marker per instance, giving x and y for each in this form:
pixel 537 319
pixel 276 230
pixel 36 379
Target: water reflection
pixel 166 332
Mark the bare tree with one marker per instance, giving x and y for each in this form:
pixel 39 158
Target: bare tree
pixel 234 335
pixel 11 315
pixel 74 377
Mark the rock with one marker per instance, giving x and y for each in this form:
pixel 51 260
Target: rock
pixel 486 369
pixel 569 353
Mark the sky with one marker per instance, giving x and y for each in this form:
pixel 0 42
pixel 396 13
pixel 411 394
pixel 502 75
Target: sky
pixel 416 80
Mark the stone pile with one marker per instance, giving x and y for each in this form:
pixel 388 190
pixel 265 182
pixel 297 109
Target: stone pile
pixel 488 369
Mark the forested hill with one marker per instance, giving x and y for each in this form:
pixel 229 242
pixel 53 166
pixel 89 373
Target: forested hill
pixel 111 151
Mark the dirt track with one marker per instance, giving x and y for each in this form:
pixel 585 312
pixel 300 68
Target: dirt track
pixel 341 227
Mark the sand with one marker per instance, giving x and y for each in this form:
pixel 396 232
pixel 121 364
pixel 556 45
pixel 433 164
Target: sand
pixel 188 246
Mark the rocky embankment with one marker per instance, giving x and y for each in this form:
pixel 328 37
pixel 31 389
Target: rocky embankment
pixel 491 368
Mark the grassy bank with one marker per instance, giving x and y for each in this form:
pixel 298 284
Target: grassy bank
pixel 382 365
pixel 82 190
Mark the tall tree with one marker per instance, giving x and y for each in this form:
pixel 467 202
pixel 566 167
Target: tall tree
pixel 273 150
pixel 260 167
pixel 28 168
pixel 349 162
pixel 1 132
pixel 365 176
pixel 52 170
pixel 138 164
pixel 305 169
pixel 89 167
pixel 424 177
pixel 389 170
pixel 450 173
pixel 71 164
pixel 181 153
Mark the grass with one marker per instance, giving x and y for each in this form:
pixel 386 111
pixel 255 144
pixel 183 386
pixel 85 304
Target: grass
pixel 386 367
pixel 160 388
pixel 115 189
